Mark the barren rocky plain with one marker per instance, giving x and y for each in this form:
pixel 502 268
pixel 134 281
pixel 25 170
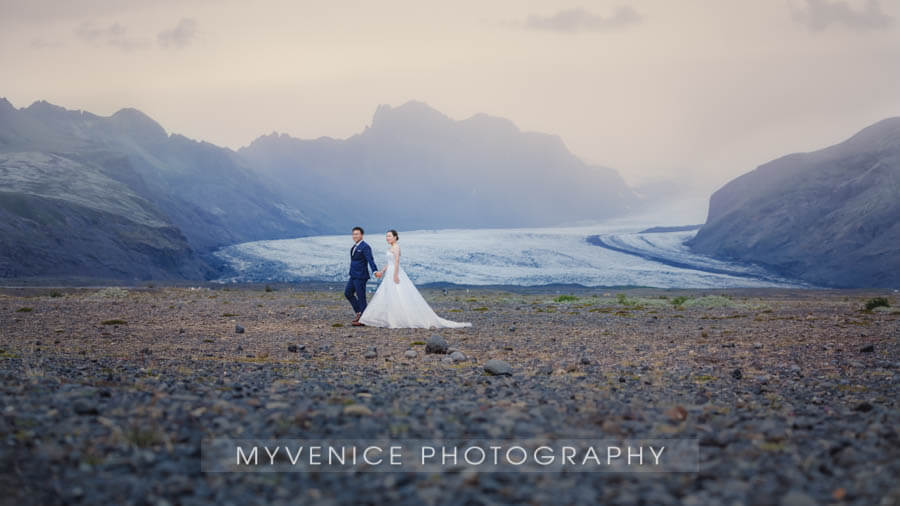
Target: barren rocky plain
pixel 107 393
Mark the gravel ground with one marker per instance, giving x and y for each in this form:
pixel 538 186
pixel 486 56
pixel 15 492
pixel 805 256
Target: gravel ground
pixel 107 393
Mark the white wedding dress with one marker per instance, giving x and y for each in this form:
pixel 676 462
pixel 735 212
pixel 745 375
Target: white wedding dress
pixel 400 305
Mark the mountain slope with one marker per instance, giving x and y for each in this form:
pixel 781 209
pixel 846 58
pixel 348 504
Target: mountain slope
pixel 158 203
pixel 416 168
pixel 61 218
pixel 830 217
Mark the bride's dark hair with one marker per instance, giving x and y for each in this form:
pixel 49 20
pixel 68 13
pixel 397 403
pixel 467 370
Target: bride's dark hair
pixel 394 233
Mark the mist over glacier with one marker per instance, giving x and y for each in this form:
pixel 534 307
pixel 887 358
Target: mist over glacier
pixel 524 257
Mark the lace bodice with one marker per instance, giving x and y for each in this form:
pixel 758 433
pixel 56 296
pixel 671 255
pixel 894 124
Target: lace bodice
pixel 389 258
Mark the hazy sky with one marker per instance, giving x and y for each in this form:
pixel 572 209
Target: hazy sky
pixel 649 87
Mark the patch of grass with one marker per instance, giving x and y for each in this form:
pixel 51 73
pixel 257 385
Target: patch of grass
pixel 269 288
pixel 455 310
pixel 56 294
pixel 143 437
pixel 877 302
pixel 228 315
pixel 710 302
pixel 336 325
pixel 680 300
pixel 24 310
pixel 114 322
pixel 479 309
pixel 418 343
pixel 566 298
pixel 703 378
pixel 7 354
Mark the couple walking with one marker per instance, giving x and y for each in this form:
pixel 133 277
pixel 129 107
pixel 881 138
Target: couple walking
pixel 396 303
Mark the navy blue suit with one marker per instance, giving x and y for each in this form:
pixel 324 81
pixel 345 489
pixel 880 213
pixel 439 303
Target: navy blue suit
pixel 360 260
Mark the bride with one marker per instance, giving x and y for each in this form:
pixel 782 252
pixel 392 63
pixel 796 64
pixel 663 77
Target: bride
pixel 397 303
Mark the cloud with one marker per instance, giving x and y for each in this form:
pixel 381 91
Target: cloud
pixel 818 15
pixel 580 20
pixel 113 35
pixel 179 37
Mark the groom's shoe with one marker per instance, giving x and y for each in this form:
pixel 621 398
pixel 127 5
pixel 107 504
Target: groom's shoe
pixel 358 324
pixel 358 316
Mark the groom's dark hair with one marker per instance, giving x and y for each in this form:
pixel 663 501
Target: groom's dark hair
pixel 361 231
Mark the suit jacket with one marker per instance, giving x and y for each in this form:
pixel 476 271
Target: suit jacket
pixel 360 260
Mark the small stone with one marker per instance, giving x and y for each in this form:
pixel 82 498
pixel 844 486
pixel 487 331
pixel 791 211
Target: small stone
pixel 737 374
pixel 293 348
pixel 447 360
pixel 585 361
pixel 496 367
pixel 458 356
pixel 757 346
pixel 357 410
pixel 512 328
pixel 797 498
pixel 238 329
pixel 371 353
pixel 677 414
pixel 84 407
pixel 410 354
pixel 863 407
pixel 436 344
pixel 867 349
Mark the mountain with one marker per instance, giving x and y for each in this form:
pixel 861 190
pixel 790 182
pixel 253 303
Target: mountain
pixel 830 217
pixel 117 197
pixel 416 168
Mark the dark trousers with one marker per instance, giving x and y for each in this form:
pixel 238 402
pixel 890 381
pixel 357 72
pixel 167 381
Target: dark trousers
pixel 356 294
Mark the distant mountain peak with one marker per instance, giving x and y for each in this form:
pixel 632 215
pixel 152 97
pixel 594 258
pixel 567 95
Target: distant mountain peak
pixel 139 124
pixel 46 109
pixel 494 122
pixel 412 113
pixel 5 105
pixel 885 133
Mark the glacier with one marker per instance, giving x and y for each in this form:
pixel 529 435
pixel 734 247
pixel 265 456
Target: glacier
pixel 600 255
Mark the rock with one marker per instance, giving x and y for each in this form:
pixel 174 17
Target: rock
pixel 797 498
pixel 863 407
pixel 512 328
pixel 371 353
pixel 436 344
pixel 238 329
pixel 293 348
pixel 677 414
pixel 585 361
pixel 496 367
pixel 737 374
pixel 757 346
pixel 410 354
pixel 458 356
pixel 447 360
pixel 867 349
pixel 357 410
pixel 84 407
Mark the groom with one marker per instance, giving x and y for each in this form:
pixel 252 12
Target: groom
pixel 360 259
